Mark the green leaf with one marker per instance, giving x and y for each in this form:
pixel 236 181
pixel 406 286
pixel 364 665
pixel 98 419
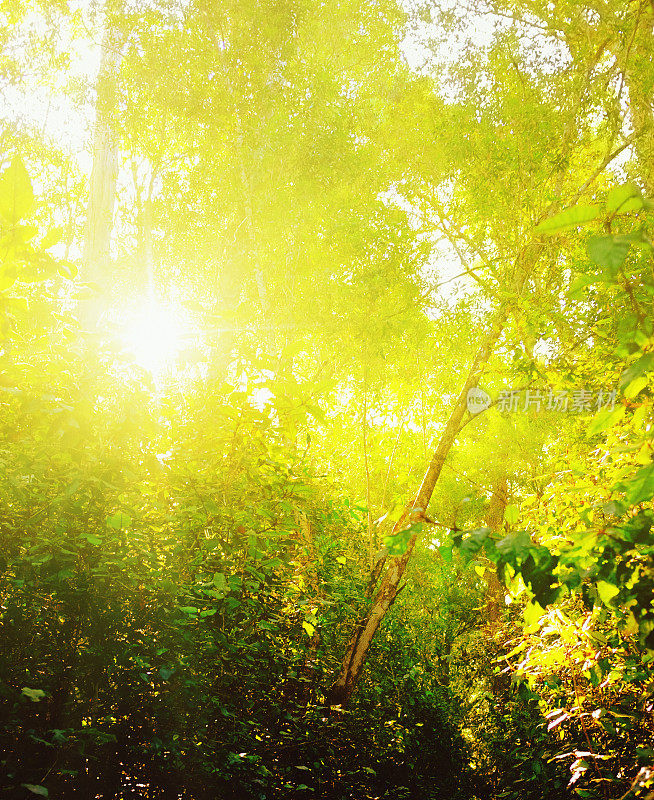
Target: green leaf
pixel 32 787
pixel 636 386
pixel 67 270
pixel 220 582
pixel 397 543
pixel 118 521
pixel 517 545
pixel 475 540
pixel 35 695
pixel 91 539
pixel 641 487
pixel 638 238
pixel 624 198
pixel 639 417
pixel 445 551
pixel 24 233
pixel 570 218
pixel 645 755
pixel 640 367
pixel 605 419
pixel 606 591
pixel 580 283
pixel 606 251
pixel 511 514
pixel 16 195
pixel 166 672
pixel 188 609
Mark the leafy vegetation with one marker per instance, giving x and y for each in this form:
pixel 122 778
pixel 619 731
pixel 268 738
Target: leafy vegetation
pixel 326 378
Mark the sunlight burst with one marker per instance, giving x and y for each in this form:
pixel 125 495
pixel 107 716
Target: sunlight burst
pixel 155 336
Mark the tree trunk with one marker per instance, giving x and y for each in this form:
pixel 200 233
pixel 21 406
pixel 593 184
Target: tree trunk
pixel 102 193
pixel 351 669
pixel 494 588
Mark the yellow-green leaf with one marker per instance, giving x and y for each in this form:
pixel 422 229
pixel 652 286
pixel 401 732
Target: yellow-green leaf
pixel 606 591
pixel 511 514
pixel 532 613
pixel 605 419
pixel 35 789
pixel 624 198
pixel 16 195
pixel 570 218
pixel 636 386
pixel 34 694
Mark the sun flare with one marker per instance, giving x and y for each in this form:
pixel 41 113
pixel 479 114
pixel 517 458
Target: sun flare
pixel 155 336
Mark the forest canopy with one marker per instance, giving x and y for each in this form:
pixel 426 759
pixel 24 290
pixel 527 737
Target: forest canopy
pixel 326 399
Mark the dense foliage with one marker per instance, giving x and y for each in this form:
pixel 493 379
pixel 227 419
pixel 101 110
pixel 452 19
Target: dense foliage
pixel 320 248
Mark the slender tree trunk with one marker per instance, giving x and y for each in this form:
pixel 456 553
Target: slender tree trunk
pixel 300 689
pixel 371 546
pixel 352 667
pixel 527 257
pixel 144 248
pixel 102 194
pixel 253 245
pixel 494 588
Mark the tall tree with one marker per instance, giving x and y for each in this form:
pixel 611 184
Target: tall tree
pixel 105 165
pixel 493 234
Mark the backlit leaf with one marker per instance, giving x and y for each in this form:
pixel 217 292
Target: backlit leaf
pixel 16 195
pixel 511 514
pixel 641 486
pixel 35 695
pixel 636 386
pixel 606 419
pixel 606 251
pixel 624 198
pixel 640 367
pixel 570 218
pixel 118 521
pixel 41 791
pixel 606 591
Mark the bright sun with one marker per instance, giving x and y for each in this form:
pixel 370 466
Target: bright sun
pixel 155 336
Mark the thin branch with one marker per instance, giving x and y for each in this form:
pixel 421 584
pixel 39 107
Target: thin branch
pixel 367 466
pixel 623 71
pixel 449 280
pixel 468 269
pixel 627 143
pixel 555 33
pixel 390 463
